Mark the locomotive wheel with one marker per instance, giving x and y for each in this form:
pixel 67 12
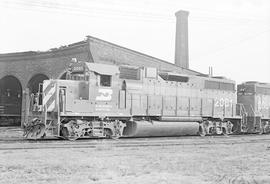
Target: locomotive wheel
pixel 68 130
pixel 202 132
pixel 224 131
pixel 236 128
pixel 108 133
pixel 117 136
pixel 73 138
pixel 266 128
pixel 65 134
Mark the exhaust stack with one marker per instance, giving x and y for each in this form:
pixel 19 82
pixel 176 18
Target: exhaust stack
pixel 181 39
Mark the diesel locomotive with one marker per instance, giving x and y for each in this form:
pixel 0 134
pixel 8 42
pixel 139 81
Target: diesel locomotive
pixel 255 100
pixel 99 100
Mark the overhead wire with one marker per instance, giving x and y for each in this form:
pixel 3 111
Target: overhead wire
pixel 233 43
pixel 109 13
pixel 123 14
pixel 98 11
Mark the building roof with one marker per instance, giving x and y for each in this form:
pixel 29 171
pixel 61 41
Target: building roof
pixel 100 51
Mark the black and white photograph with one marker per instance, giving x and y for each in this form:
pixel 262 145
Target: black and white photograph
pixel 134 92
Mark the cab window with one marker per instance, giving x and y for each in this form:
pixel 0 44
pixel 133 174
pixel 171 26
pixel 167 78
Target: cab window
pixel 105 80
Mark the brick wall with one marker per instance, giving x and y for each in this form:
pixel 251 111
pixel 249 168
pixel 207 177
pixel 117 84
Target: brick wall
pixel 52 64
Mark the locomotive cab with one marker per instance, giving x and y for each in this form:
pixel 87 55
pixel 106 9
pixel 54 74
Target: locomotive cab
pixel 88 94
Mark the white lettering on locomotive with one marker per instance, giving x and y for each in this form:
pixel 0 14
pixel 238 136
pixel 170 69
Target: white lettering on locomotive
pixel 262 104
pixel 104 94
pixel 223 102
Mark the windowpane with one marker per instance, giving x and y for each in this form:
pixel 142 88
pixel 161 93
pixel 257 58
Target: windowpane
pixel 105 80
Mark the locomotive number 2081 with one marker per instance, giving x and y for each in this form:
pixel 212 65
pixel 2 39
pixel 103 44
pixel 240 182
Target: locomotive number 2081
pixel 223 102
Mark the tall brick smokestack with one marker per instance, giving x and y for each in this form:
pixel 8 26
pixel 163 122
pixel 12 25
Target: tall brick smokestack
pixel 181 39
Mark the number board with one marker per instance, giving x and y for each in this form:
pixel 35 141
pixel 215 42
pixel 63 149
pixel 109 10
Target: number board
pixel 77 69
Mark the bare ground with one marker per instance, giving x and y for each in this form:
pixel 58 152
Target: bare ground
pixel 247 163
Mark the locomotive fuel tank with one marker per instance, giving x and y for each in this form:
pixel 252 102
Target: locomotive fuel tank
pixel 160 128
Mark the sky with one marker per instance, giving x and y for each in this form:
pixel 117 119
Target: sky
pixel 232 36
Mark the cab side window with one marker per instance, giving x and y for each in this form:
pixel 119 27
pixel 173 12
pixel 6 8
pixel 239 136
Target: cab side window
pixel 105 80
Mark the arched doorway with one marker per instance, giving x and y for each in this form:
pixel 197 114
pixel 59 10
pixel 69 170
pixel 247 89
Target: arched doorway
pixel 34 82
pixel 33 97
pixel 34 87
pixel 10 101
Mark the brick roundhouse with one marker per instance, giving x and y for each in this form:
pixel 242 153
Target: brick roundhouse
pixel 20 73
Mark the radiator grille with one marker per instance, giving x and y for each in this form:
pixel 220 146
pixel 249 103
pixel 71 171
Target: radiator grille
pixel 129 73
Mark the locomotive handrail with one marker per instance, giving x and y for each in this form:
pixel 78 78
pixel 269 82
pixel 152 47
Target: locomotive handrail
pixel 242 109
pixel 252 109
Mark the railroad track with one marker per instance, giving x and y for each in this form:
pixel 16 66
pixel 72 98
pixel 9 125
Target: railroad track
pixel 133 142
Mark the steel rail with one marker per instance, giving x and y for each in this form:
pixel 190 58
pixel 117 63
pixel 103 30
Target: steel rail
pixel 140 142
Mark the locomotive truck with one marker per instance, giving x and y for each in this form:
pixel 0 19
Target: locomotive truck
pixel 100 100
